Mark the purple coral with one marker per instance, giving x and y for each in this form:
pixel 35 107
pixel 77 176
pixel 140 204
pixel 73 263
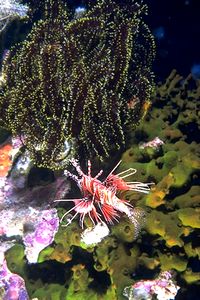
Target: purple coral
pixel 22 207
pixel 13 286
pixel 45 226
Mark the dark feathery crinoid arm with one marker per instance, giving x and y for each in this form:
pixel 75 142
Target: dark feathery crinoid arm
pixel 79 79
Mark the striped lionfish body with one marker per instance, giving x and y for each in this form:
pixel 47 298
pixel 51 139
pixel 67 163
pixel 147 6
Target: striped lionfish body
pixel 99 200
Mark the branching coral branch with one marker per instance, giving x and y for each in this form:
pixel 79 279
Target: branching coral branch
pixel 75 79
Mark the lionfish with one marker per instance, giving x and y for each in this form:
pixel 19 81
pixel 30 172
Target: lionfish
pixel 99 200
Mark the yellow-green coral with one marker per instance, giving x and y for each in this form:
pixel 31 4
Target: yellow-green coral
pixel 190 251
pixel 191 277
pixel 78 288
pixel 125 231
pixel 16 260
pixel 166 226
pixel 149 262
pixel 190 217
pixel 158 193
pixel 121 264
pixel 50 292
pixel 189 199
pixel 172 261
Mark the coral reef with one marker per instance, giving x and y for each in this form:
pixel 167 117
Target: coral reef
pixel 25 212
pixel 43 232
pixel 174 201
pixel 12 286
pixel 79 284
pixel 78 84
pixel 103 268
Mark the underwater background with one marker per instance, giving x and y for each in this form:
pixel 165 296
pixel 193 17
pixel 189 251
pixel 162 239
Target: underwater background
pixel 103 85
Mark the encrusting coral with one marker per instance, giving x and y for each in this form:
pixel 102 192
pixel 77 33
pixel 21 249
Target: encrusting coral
pixel 169 237
pixel 80 79
pixel 174 166
pixel 61 88
pixel 172 217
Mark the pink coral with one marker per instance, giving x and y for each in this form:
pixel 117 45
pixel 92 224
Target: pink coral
pixel 161 288
pixel 155 143
pixel 45 226
pixel 12 285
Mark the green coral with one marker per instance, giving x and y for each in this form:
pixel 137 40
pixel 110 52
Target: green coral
pixel 119 262
pixel 63 244
pixel 50 292
pixel 78 288
pixel 169 262
pixel 166 226
pixel 190 251
pixel 191 277
pixel 190 217
pixel 125 231
pixel 174 167
pixel 84 79
pixel 16 260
